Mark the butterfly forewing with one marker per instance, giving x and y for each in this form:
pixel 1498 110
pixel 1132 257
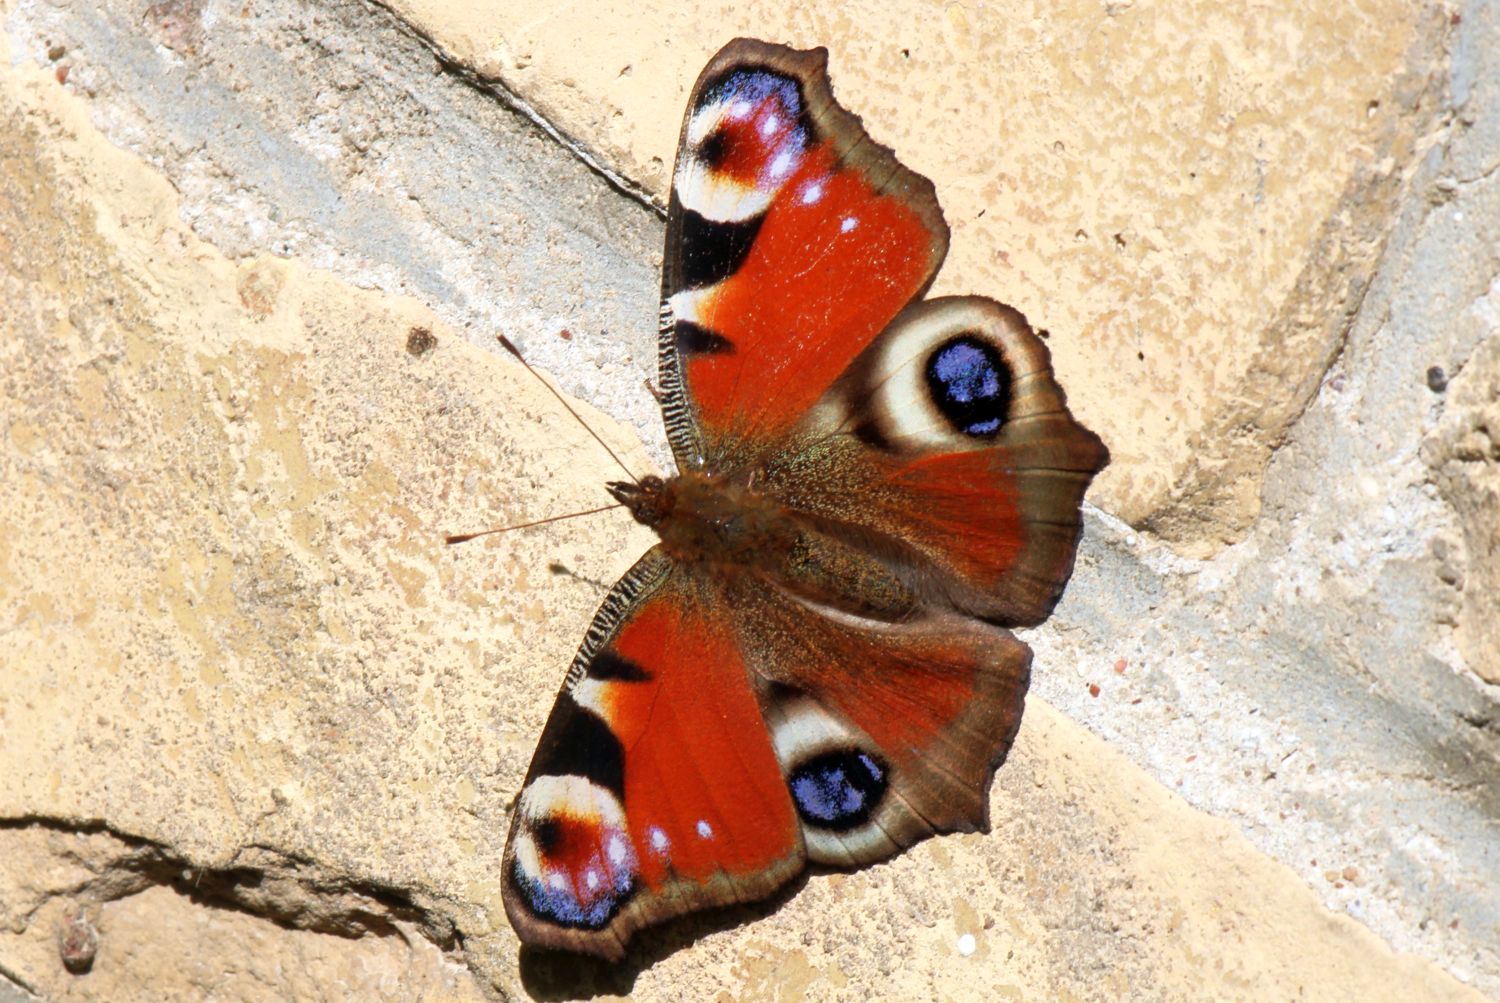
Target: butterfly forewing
pixel 783 209
pixel 655 788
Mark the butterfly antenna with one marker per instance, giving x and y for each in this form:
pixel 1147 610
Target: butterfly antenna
pixel 513 350
pixel 466 537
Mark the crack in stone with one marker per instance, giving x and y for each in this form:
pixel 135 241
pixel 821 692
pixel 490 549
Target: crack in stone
pixel 6 972
pixel 272 884
pixel 1483 175
pixel 497 89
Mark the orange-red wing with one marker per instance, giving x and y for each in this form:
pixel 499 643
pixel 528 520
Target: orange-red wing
pixel 991 533
pixel 654 790
pixel 792 241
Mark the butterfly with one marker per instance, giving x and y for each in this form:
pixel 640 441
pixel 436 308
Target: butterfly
pixel 814 664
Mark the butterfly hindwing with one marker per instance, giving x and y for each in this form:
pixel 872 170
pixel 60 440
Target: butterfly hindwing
pixel 886 732
pixel 792 240
pixel 950 439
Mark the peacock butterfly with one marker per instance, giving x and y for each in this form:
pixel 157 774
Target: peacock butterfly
pixel 813 665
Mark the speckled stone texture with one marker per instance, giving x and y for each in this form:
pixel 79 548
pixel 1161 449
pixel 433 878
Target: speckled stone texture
pixel 260 730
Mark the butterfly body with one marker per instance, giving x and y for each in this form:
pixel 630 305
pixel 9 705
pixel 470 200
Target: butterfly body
pixel 723 526
pixel 814 664
pixel 709 519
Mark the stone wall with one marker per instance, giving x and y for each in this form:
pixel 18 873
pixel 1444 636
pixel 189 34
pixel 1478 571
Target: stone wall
pixel 260 729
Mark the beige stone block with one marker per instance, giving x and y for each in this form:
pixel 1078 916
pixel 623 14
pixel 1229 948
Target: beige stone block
pixel 1189 196
pixel 1464 454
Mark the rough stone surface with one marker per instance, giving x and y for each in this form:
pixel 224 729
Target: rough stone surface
pixel 166 935
pixel 1464 452
pixel 1323 682
pixel 326 133
pixel 259 730
pixel 1464 447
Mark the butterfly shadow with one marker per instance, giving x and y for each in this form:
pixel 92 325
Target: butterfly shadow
pixel 559 975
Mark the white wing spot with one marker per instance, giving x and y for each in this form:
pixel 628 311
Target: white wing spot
pixel 704 829
pixel 812 193
pixel 782 161
pixel 659 840
pixel 740 109
pixel 617 850
pixel 770 125
pixel 557 882
pixel 591 879
pixel 848 224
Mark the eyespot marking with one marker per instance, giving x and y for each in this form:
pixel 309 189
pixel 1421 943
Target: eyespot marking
pixel 969 383
pixel 716 149
pixel 573 864
pixel 838 790
pixel 745 137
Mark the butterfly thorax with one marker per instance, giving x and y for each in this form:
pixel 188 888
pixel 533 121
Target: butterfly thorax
pixel 707 518
pixel 724 521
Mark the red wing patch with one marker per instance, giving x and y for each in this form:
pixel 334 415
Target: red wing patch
pixel 703 791
pixel 830 266
pixel 961 507
pixel 998 526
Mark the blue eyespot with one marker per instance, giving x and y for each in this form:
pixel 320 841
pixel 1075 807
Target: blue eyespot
pixel 753 87
pixel 838 790
pixel 559 901
pixel 970 385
